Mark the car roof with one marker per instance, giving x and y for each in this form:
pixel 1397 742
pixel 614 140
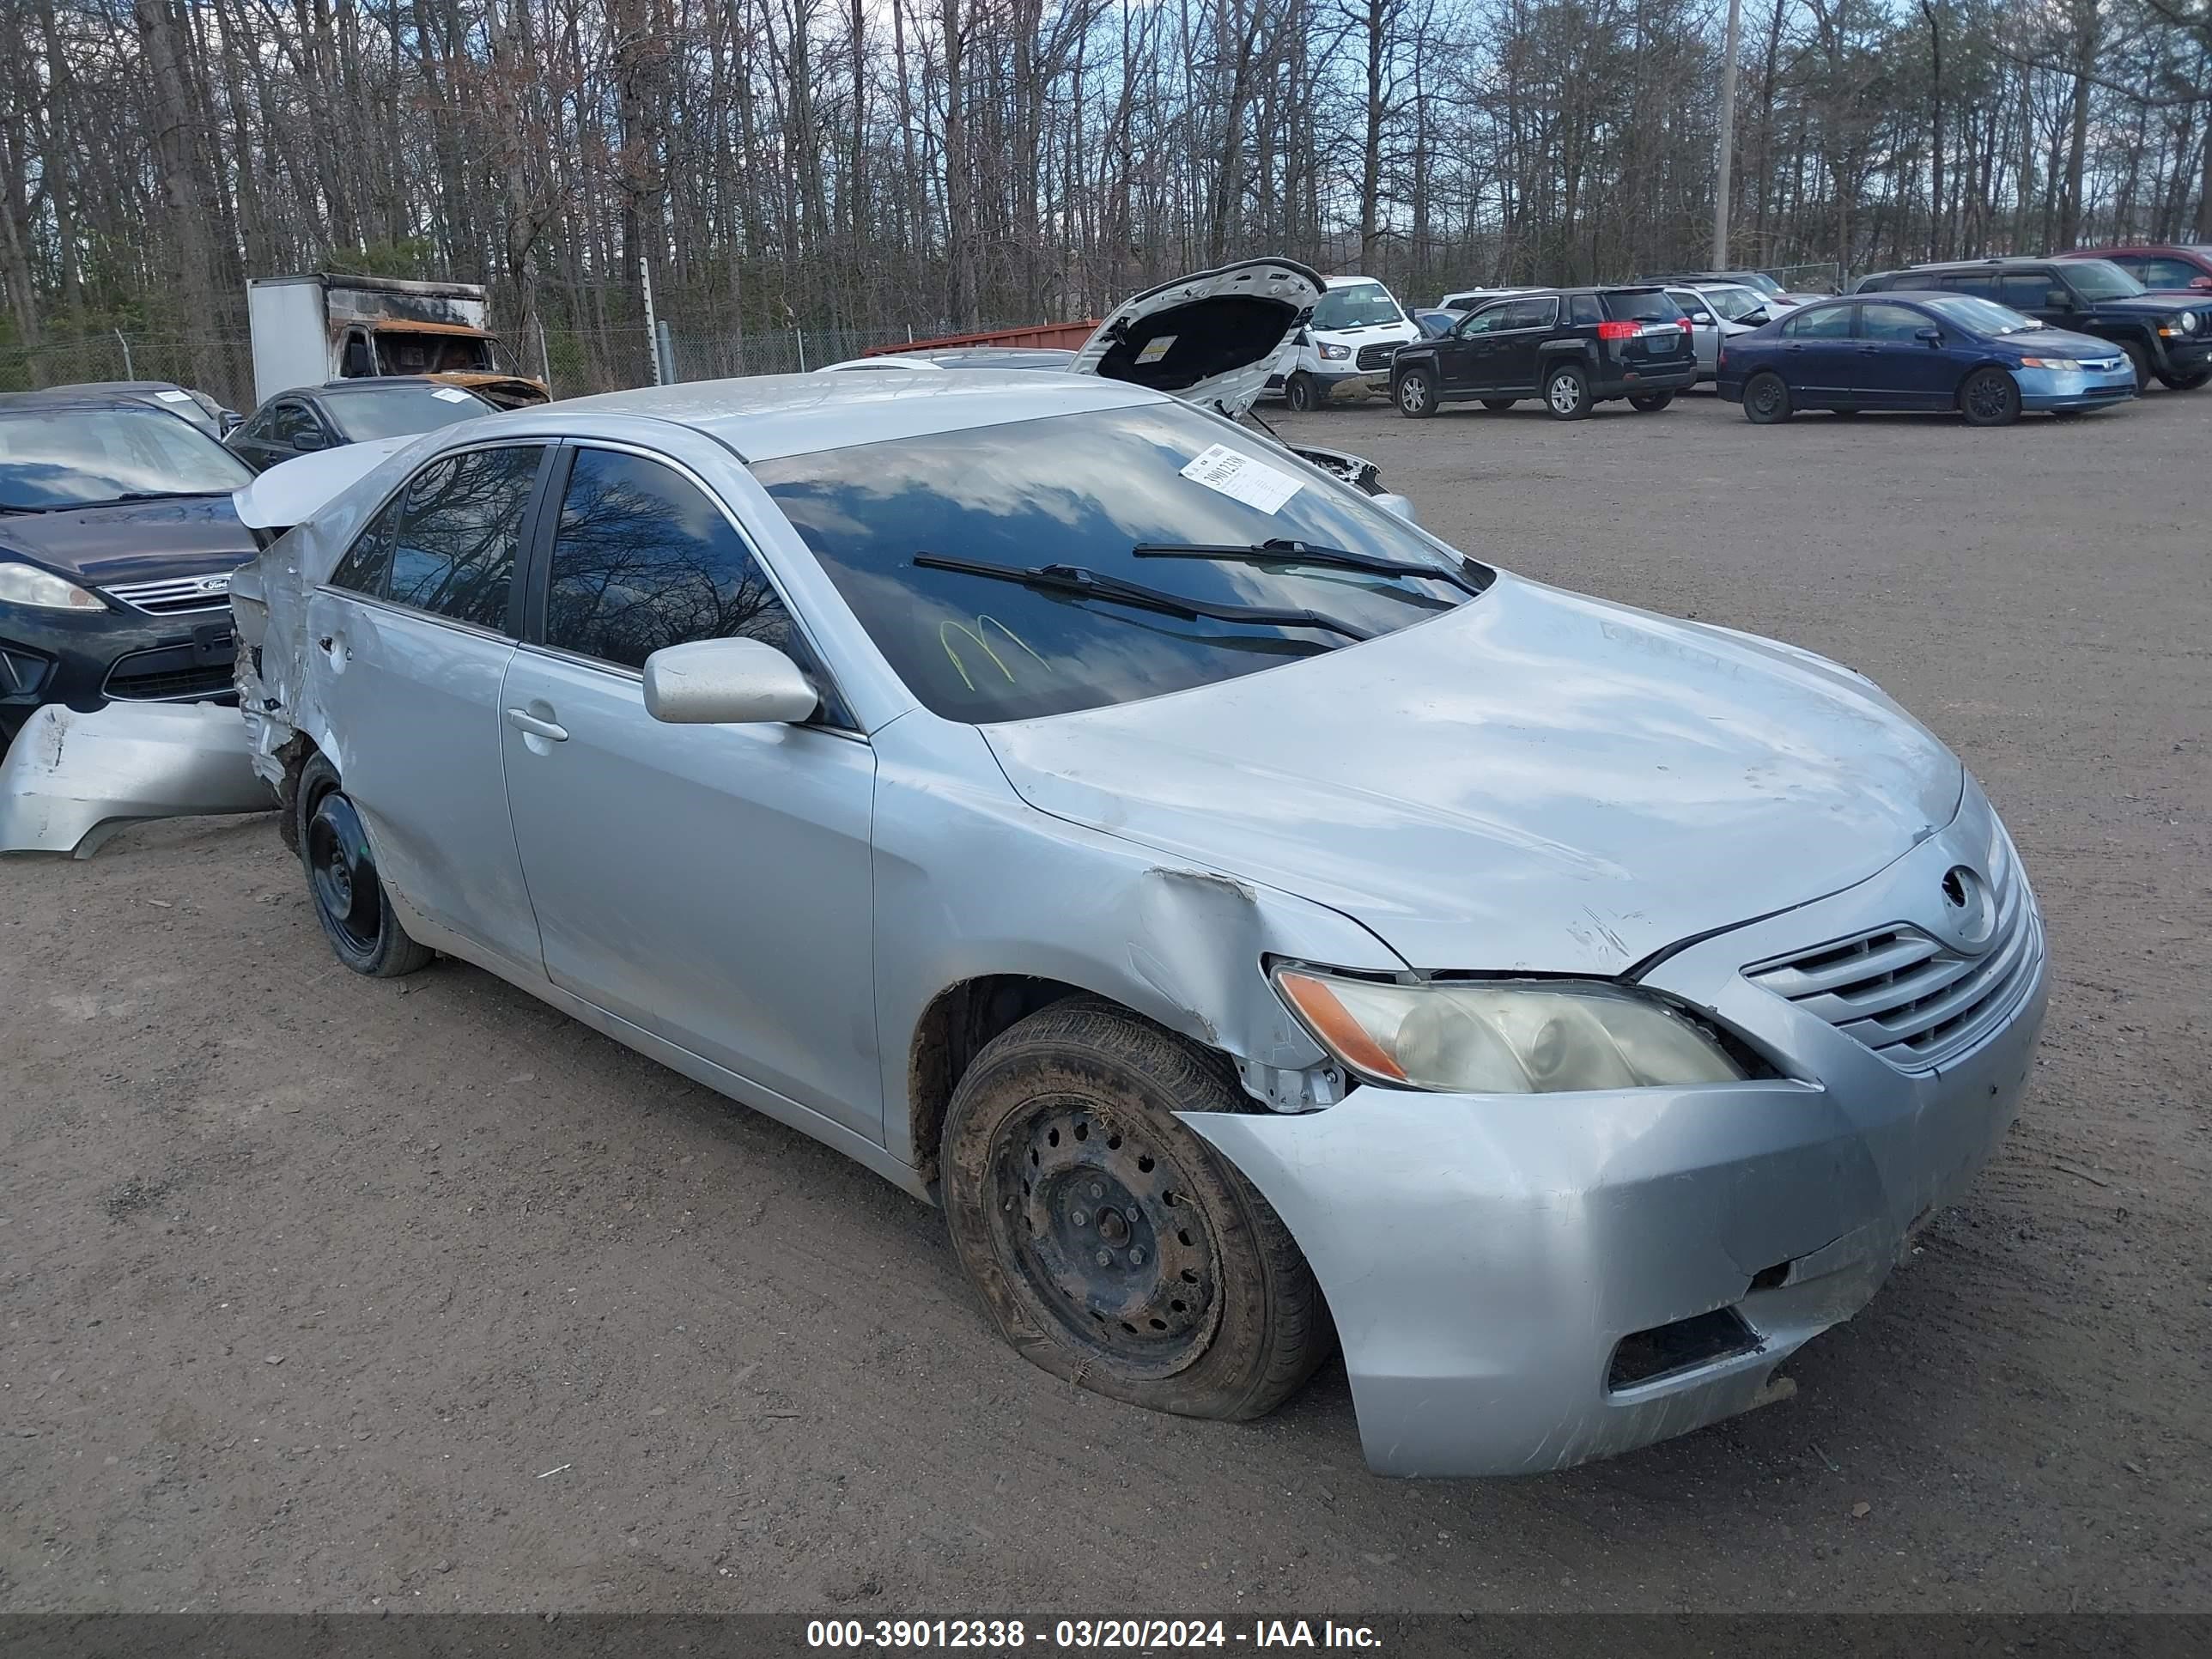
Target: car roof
pixel 79 398
pixel 375 383
pixel 765 417
pixel 1347 282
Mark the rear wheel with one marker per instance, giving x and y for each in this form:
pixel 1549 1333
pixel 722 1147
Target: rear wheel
pixel 1990 396
pixel 1112 1245
pixel 1416 394
pixel 1299 394
pixel 2186 382
pixel 1766 399
pixel 1498 405
pixel 349 899
pixel 1567 393
pixel 1650 403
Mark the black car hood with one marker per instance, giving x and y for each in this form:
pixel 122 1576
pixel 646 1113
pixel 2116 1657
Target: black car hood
pixel 2150 304
pixel 133 541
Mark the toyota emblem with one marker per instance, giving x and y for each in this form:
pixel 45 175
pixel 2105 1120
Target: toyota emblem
pixel 1970 910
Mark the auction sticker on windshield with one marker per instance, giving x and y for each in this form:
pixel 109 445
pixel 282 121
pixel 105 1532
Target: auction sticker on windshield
pixel 451 395
pixel 1238 475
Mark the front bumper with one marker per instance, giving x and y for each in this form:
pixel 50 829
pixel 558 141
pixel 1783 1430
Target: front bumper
pixel 1350 385
pixel 1485 1257
pixel 2052 388
pixel 2187 355
pixel 81 659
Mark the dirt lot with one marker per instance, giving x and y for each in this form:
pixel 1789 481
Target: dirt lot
pixel 321 1293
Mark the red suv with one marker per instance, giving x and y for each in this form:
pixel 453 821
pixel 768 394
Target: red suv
pixel 2166 268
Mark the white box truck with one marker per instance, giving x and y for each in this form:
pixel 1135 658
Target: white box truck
pixel 319 327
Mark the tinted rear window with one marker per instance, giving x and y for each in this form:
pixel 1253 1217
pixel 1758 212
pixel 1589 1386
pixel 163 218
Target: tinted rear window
pixel 1641 305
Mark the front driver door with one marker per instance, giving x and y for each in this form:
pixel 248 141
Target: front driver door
pixel 1467 351
pixel 1525 326
pixel 1898 369
pixel 408 642
pixel 711 884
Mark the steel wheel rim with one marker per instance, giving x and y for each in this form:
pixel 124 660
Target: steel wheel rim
pixel 1565 394
pixel 1986 397
pixel 343 874
pixel 1095 1219
pixel 1766 398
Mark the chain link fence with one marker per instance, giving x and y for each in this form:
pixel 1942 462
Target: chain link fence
pixel 224 368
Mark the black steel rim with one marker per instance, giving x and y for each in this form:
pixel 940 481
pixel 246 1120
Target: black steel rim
pixel 1986 396
pixel 1766 397
pixel 343 873
pixel 1098 1222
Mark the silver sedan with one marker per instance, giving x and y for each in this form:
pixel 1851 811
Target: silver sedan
pixel 1259 925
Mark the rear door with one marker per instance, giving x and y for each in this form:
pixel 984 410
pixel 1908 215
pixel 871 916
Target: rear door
pixel 1894 367
pixel 710 884
pixel 408 641
pixel 1515 344
pixel 1818 354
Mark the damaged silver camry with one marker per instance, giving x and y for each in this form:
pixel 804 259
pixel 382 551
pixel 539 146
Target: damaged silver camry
pixel 1260 926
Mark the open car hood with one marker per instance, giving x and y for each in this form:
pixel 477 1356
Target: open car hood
pixel 1210 339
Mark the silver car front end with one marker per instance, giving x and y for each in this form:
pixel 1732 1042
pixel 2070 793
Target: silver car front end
pixel 1525 1282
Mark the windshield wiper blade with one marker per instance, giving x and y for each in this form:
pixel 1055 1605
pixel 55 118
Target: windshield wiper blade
pixel 1096 585
pixel 156 495
pixel 1283 551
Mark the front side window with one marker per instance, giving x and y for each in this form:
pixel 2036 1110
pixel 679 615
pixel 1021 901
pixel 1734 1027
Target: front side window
pixel 59 457
pixel 460 525
pixel 643 559
pixel 1045 502
pixel 2168 274
pixel 1357 304
pixel 1486 321
pixel 290 421
pixel 2029 290
pixel 1820 323
pixel 1891 323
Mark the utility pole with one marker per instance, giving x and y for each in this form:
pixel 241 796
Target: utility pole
pixel 1728 138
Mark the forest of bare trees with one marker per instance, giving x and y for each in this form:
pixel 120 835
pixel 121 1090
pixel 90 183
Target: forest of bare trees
pixel 934 164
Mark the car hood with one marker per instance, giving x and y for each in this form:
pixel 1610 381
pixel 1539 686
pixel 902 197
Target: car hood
pixel 2061 342
pixel 291 492
pixel 1210 339
pixel 1536 782
pixel 501 391
pixel 2154 304
pixel 132 541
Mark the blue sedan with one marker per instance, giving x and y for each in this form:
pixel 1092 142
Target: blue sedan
pixel 1925 352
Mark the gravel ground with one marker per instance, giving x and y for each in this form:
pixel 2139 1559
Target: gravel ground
pixel 321 1293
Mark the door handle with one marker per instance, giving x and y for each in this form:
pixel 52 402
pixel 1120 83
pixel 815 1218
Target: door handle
pixel 524 719
pixel 1868 351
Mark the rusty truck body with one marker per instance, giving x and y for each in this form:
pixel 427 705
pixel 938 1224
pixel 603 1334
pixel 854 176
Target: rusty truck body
pixel 310 329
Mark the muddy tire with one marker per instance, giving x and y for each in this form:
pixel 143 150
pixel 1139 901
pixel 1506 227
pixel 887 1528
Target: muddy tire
pixel 1299 394
pixel 349 896
pixel 1112 1246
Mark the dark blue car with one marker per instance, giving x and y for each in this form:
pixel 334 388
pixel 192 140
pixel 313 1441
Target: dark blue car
pixel 1920 350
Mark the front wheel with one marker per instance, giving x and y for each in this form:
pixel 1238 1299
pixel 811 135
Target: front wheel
pixel 2186 382
pixel 2138 360
pixel 1113 1245
pixel 1990 396
pixel 1298 393
pixel 1650 403
pixel 1567 393
pixel 350 898
pixel 1766 400
pixel 1416 394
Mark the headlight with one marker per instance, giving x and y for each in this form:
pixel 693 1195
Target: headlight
pixel 2050 363
pixel 1510 1037
pixel 20 584
pixel 1335 353
pixel 2189 322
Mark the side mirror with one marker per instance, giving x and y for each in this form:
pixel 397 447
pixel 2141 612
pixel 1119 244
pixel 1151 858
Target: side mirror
pixel 1755 317
pixel 1400 505
pixel 228 421
pixel 309 442
pixel 2200 284
pixel 726 682
pixel 2057 299
pixel 1702 318
pixel 1933 337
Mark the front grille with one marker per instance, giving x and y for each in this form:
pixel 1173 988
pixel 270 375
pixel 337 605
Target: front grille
pixel 153 682
pixel 1378 357
pixel 172 595
pixel 1913 999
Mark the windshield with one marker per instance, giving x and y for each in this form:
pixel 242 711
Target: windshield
pixel 1759 280
pixel 57 457
pixel 1086 490
pixel 1359 305
pixel 394 411
pixel 1983 316
pixel 432 353
pixel 2096 280
pixel 1734 303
